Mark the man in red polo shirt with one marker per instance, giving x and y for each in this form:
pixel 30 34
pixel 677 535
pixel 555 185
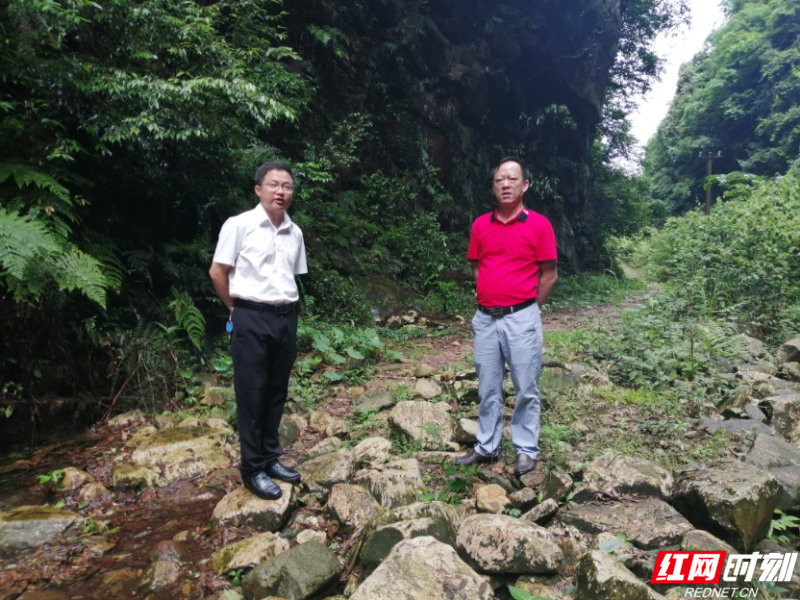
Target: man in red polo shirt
pixel 513 255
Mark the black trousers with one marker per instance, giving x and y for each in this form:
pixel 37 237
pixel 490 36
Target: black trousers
pixel 264 348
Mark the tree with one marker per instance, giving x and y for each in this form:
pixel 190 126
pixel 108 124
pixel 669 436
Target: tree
pixel 739 96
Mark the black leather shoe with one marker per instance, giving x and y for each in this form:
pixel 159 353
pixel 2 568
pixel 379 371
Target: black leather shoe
pixel 525 464
pixel 474 458
pixel 262 486
pixel 277 471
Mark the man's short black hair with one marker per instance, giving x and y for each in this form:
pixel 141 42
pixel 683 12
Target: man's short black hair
pixel 274 165
pixel 506 159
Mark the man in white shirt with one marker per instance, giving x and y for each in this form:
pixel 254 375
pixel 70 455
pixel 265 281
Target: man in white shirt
pixel 258 254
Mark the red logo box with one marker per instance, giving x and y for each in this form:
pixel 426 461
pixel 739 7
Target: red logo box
pixel 680 567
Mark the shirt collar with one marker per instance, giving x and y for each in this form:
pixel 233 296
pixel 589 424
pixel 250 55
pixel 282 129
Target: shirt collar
pixel 261 217
pixel 521 217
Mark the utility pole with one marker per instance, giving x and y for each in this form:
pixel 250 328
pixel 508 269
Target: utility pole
pixel 709 155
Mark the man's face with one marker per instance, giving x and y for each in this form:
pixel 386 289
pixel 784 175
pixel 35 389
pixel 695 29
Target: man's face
pixel 275 191
pixel 509 185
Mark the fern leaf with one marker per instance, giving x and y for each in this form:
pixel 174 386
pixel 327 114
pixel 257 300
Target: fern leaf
pixel 188 317
pixel 23 176
pixel 76 270
pixel 22 239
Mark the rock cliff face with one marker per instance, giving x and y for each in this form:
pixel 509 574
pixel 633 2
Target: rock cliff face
pixel 456 84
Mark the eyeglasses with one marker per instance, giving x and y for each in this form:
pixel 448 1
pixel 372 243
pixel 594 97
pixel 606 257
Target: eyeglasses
pixel 274 186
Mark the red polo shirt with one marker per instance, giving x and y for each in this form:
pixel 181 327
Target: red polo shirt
pixel 508 256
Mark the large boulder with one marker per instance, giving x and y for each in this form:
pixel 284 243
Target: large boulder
pixel 601 576
pixel 731 499
pixel 372 451
pixel 502 544
pixel 426 422
pixel 248 552
pixel 241 508
pixel 649 523
pixel 321 473
pixel 393 484
pixel 790 351
pixel 433 519
pixel 352 505
pixel 423 568
pixel 773 455
pixel 25 527
pixel 164 456
pixel 304 571
pixel 619 474
pixel 785 411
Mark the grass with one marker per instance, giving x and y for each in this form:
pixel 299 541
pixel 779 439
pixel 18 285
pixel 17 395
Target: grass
pixel 584 290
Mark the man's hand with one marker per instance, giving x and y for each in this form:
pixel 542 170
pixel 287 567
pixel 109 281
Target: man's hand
pixel 219 277
pixel 548 274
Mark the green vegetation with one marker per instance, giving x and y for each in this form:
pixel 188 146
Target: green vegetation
pixel 738 97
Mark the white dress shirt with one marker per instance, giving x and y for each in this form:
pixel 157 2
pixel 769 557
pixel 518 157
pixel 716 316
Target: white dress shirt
pixel 264 258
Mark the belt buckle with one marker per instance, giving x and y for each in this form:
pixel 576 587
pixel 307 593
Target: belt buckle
pixel 496 311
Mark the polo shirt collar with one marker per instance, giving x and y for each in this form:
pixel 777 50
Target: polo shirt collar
pixel 521 217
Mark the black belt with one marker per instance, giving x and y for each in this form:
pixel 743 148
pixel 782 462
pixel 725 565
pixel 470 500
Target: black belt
pixel 501 311
pixel 281 309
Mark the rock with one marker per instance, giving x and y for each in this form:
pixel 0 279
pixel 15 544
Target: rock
pixel 217 395
pixel 541 512
pixel 747 427
pixel 331 426
pixel 324 446
pixel 466 431
pixel 502 544
pixel 133 417
pixel 556 485
pixel 248 552
pixel 94 492
pixel 423 568
pixel 392 484
pixel 749 348
pixel 731 499
pixel 752 411
pixel 25 527
pixel 240 508
pixel 773 455
pixel 302 572
pixel 756 384
pixel 602 576
pixel 434 519
pixel 320 473
pixel 375 401
pixel 127 475
pixel 427 422
pixel 372 450
pixel 312 535
pixel 427 389
pixel 618 475
pixel 648 523
pixel 699 540
pixel 352 505
pixel 290 428
pixel 785 411
pixel 791 371
pixel 165 568
pixel 790 351
pixel 423 370
pixel 466 391
pixel 491 498
pixel 72 479
pixel 176 453
pixel 523 499
pixel 141 435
